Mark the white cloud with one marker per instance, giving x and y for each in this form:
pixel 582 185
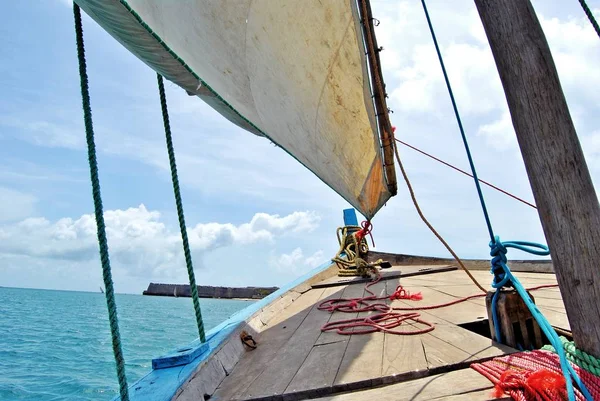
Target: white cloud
pixel 415 79
pixel 500 134
pixel 45 133
pixel 591 149
pixel 295 262
pixel 138 241
pixel 316 259
pixel 262 227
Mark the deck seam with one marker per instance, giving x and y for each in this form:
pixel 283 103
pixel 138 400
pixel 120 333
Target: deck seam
pixel 490 387
pixel 346 348
pixel 294 332
pixel 369 384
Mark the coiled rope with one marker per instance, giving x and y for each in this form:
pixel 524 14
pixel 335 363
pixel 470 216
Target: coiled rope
pixel 179 204
pixel 533 375
pixel 109 291
pixel 577 356
pixel 388 317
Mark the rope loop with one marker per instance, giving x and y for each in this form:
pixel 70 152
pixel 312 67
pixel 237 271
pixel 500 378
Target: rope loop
pixel 530 247
pixel 502 276
pixel 366 229
pixel 499 260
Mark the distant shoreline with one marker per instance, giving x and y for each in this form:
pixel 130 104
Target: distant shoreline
pixel 205 291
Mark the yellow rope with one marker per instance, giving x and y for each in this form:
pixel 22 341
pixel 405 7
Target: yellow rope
pixel 433 230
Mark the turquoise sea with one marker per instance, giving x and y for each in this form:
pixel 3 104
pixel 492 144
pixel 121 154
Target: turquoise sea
pixel 55 345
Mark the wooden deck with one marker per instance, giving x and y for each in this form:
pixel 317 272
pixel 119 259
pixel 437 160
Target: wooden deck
pixel 295 360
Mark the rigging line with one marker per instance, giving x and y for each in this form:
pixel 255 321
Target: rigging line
pixel 502 273
pixel 460 126
pixel 590 16
pixel 179 205
pixel 428 224
pixel 109 292
pixel 467 174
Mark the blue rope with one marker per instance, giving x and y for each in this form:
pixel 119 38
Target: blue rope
pixel 179 205
pixel 502 274
pixel 460 125
pixel 502 277
pixel 101 229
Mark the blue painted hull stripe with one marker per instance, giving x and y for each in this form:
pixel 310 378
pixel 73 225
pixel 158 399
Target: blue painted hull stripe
pixel 162 384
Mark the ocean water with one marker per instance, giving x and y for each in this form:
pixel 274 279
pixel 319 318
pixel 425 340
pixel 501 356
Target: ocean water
pixel 55 345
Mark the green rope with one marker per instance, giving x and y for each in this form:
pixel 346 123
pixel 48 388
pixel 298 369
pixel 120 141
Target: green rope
pixel 590 16
pixel 101 229
pixel 182 226
pixel 577 356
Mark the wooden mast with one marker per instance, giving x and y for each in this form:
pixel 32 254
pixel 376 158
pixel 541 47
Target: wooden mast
pixel 559 177
pixel 379 95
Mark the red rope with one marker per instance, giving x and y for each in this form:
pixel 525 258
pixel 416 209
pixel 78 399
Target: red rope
pixel 367 227
pixel 464 172
pixel 387 319
pixel 534 375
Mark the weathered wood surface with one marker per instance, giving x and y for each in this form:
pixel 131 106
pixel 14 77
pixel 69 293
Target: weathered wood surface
pixel 392 272
pixel 456 285
pixel 363 357
pixel 280 330
pixel 465 384
pixel 533 266
pixel 304 362
pixel 561 183
pixel 517 326
pixel 269 361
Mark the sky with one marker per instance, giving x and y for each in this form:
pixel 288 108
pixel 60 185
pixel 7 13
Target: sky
pixel 255 216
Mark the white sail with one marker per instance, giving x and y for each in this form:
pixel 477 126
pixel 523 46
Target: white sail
pixel 293 71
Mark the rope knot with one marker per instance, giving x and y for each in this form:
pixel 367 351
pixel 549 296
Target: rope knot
pixel 366 229
pixel 498 251
pixel 499 259
pixel 401 293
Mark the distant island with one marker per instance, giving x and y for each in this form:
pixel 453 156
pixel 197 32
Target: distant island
pixel 206 291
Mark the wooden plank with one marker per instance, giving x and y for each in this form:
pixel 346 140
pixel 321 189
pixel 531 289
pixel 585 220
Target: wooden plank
pixel 481 395
pixel 466 382
pixel 320 368
pixel 549 293
pixel 550 303
pixel 457 314
pixel 282 367
pixel 560 180
pixel 475 345
pixel 349 292
pixel 364 353
pixel 277 306
pixel 392 273
pixel 269 342
pixel 460 291
pixel 402 353
pixel 558 319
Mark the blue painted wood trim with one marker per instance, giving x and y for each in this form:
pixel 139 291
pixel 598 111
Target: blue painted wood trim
pixel 162 384
pixel 350 217
pixel 181 356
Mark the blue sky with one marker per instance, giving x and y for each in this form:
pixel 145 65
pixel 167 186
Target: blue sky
pixel 256 216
